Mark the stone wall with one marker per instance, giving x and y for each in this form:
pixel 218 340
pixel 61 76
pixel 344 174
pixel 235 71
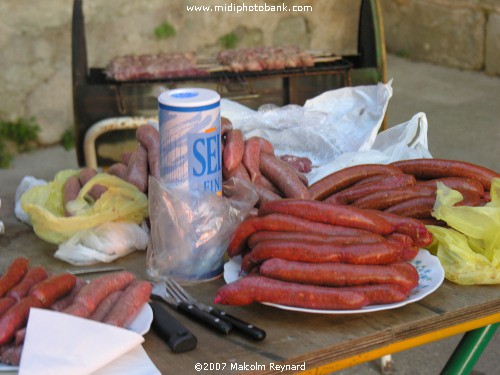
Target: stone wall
pixel 35 39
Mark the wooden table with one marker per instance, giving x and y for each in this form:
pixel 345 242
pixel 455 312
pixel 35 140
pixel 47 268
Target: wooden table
pixel 324 343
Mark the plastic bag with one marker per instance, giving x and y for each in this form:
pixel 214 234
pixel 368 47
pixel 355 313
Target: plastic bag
pixel 45 207
pixel 404 141
pixel 470 250
pixel 103 243
pixel 190 230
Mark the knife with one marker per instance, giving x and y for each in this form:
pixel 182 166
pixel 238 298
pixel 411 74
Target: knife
pixel 177 337
pixel 190 310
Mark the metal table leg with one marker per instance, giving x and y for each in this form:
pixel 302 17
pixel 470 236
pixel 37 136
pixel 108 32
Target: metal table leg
pixel 469 350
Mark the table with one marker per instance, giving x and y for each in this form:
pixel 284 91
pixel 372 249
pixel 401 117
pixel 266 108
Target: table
pixel 324 343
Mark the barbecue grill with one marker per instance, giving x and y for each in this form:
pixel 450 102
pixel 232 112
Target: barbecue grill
pixel 107 111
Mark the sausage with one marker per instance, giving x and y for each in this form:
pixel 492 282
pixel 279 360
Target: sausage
pixel 129 304
pixel 85 175
pixel 54 287
pixel 438 168
pixel 382 293
pixel 238 172
pixel 433 221
pixel 78 309
pixel 251 157
pixel 125 158
pixel 371 253
pixel 225 125
pixel 99 288
pixel 355 192
pixel 67 300
pixel 458 183
pixel 381 200
pixel 149 138
pixel 418 208
pixel 11 354
pixel 20 335
pixel 119 170
pixel 256 288
pixel 283 176
pixel 137 169
pixel 329 214
pixel 407 225
pixel 339 180
pixel 280 222
pixel 32 277
pixel 267 184
pixel 16 317
pixel 105 306
pixel 301 164
pixel 6 303
pixel 71 189
pixel 233 149
pixel 13 275
pixel 265 195
pixel 263 236
pixel 339 274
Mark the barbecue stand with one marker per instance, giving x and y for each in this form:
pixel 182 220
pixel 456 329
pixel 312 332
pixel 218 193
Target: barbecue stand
pixel 107 112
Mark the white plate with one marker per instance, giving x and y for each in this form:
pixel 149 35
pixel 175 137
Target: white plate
pixel 140 325
pixel 430 271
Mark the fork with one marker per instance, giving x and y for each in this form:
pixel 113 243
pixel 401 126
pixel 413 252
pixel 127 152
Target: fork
pixel 170 296
pixel 249 329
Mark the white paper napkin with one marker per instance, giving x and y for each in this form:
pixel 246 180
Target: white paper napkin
pixel 58 343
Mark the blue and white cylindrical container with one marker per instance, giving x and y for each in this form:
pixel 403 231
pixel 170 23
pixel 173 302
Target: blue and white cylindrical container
pixel 190 139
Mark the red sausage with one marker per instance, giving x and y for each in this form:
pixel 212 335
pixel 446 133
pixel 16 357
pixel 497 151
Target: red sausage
pixel 233 149
pixel 418 208
pixel 263 236
pixel 137 170
pixel 255 288
pixel 280 222
pixel 407 225
pixel 225 125
pixel 382 293
pixel 458 183
pixel 346 177
pixel 371 253
pixel 355 192
pixel 329 214
pixel 105 306
pixel 32 277
pixel 85 175
pixel 6 303
pixel 16 317
pixel 99 288
pixel 118 170
pixel 13 275
pixel 149 138
pixel 283 176
pixel 265 195
pixel 380 200
pixel 300 164
pixel 438 168
pixel 51 289
pixel 67 300
pixel 251 157
pixel 129 304
pixel 71 189
pixel 77 309
pixel 339 274
pixel 238 172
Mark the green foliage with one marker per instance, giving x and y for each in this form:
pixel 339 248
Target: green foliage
pixel 165 30
pixel 22 132
pixel 68 139
pixel 229 41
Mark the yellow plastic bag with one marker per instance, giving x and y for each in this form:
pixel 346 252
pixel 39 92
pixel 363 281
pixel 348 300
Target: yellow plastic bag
pixel 44 205
pixel 470 250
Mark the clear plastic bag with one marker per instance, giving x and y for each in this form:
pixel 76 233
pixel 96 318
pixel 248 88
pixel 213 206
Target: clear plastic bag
pixel 190 230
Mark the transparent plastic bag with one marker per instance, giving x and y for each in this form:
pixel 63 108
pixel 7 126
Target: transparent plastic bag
pixel 470 249
pixel 44 205
pixel 190 230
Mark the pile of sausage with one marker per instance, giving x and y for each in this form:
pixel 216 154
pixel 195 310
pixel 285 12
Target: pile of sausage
pixel 405 187
pixel 114 299
pixel 254 161
pixel 311 254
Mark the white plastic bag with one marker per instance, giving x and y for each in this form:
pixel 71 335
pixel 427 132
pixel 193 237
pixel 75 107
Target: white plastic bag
pixel 103 243
pixel 400 142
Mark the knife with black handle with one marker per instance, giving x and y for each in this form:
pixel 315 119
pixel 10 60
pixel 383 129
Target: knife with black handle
pixel 205 317
pixel 248 329
pixel 177 337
